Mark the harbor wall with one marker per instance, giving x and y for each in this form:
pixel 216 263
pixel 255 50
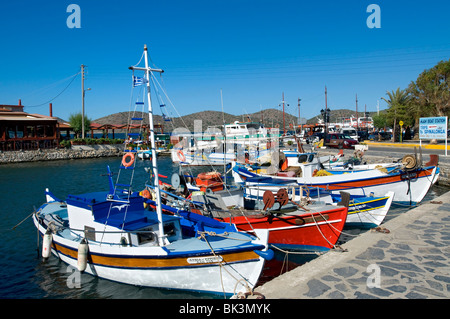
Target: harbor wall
pixel 56 154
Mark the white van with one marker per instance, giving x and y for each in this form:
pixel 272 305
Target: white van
pixel 350 132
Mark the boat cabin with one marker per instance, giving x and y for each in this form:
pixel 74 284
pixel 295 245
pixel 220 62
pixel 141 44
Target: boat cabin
pixel 245 129
pixel 118 221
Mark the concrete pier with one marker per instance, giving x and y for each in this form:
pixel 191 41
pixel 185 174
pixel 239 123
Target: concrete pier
pixel 411 260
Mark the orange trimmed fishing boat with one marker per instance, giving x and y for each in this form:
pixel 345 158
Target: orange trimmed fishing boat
pixel 409 180
pixel 115 235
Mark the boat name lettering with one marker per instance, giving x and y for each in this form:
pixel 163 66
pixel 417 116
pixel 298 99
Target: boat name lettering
pixel 408 176
pixel 204 260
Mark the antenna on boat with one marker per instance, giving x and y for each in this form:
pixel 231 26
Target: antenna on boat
pixel 147 70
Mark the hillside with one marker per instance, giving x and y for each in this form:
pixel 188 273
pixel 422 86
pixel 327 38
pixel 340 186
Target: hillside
pixel 270 118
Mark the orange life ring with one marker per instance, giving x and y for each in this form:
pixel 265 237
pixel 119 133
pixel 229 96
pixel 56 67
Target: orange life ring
pixel 181 156
pixel 130 162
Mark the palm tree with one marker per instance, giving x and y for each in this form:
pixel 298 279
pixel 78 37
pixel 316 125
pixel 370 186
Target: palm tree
pixel 397 102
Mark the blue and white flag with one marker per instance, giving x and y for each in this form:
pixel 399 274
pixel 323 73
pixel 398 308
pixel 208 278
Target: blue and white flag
pixel 138 81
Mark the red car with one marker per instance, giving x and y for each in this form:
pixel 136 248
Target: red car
pixel 340 141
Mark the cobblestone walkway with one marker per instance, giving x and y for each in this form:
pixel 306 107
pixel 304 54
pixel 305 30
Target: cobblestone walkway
pixel 412 261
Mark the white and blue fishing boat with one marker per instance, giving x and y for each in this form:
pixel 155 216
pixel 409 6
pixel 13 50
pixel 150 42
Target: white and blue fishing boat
pixel 115 235
pixel 410 183
pixel 365 211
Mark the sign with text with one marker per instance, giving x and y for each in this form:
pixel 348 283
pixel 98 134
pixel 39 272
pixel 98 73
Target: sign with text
pixel 433 128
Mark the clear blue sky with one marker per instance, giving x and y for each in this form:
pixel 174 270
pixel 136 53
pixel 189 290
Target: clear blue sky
pixel 252 50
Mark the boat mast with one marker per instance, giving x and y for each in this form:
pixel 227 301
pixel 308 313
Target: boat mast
pixel 147 70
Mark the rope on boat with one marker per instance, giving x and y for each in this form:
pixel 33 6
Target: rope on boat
pixel 223 235
pixel 221 264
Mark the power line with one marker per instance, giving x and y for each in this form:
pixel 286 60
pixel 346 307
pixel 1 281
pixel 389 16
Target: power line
pixel 71 81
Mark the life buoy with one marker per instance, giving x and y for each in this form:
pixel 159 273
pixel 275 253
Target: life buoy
pixel 181 156
pixel 125 161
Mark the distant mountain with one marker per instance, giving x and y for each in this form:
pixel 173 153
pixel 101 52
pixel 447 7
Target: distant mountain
pixel 269 117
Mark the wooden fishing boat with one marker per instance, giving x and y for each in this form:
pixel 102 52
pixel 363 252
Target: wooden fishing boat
pixel 410 185
pixel 115 235
pixel 291 226
pixel 363 211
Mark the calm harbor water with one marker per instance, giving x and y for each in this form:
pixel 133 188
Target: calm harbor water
pixel 23 273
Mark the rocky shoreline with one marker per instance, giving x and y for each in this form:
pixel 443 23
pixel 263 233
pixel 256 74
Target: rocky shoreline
pixel 55 154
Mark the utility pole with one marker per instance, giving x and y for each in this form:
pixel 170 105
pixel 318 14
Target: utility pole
pixel 326 114
pixel 356 112
pixel 82 101
pixel 284 126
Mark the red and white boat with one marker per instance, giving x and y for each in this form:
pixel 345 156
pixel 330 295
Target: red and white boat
pixel 315 227
pixel 315 230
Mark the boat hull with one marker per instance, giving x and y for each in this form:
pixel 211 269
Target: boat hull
pixel 409 187
pixel 223 272
pixel 312 231
pixel 368 212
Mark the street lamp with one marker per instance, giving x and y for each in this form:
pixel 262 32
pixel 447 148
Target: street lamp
pixel 326 118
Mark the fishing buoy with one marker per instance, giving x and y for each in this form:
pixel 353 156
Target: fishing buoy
pixel 47 244
pixel 82 255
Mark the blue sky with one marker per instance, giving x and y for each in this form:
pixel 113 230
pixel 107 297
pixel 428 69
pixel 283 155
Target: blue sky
pixel 251 50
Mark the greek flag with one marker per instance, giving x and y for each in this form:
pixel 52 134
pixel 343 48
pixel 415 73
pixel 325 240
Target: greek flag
pixel 138 81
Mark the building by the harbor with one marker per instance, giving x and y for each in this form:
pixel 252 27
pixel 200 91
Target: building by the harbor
pixel 24 131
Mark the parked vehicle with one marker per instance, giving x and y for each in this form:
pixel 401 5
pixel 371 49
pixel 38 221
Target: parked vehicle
pixel 363 135
pixel 340 141
pixel 350 132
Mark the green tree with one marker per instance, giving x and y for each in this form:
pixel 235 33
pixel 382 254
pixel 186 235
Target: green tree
pixel 379 121
pixel 398 102
pixel 75 121
pixel 431 91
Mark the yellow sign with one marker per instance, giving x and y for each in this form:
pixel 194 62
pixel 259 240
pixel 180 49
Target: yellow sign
pixel 401 123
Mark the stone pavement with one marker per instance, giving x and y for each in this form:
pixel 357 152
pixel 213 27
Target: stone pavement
pixel 411 261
